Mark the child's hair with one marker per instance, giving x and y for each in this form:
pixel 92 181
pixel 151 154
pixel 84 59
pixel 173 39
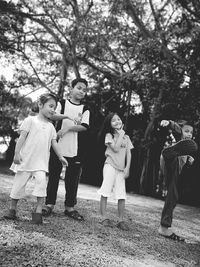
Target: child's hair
pixel 106 127
pixel 182 123
pixel 45 97
pixel 79 80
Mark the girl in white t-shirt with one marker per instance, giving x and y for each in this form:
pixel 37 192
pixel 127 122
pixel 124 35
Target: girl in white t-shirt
pixel 31 157
pixel 116 166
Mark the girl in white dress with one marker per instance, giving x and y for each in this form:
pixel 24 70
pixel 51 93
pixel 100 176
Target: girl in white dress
pixel 37 135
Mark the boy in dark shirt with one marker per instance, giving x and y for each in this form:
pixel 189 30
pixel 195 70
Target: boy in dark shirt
pixel 175 157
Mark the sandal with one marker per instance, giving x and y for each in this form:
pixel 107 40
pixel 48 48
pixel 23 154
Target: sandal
pixel 74 214
pixel 11 215
pixel 123 226
pixel 46 211
pixel 107 223
pixel 175 237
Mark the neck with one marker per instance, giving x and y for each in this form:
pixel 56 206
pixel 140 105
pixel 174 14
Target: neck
pixel 75 101
pixel 42 117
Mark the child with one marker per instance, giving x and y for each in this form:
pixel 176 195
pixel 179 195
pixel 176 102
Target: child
pixel 31 157
pixel 69 143
pixel 175 157
pixel 116 166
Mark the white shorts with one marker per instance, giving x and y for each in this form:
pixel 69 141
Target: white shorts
pixel 21 179
pixel 113 181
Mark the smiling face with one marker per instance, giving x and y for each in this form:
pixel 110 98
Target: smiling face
pixel 47 109
pixel 78 92
pixel 116 122
pixel 187 132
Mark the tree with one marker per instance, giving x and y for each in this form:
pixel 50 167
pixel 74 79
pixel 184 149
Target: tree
pixel 124 47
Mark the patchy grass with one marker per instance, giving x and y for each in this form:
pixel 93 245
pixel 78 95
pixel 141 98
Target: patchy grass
pixel 61 241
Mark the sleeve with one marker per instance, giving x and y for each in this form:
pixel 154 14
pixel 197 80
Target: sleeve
pixel 86 119
pixel 129 143
pixel 26 125
pixel 54 135
pixel 108 139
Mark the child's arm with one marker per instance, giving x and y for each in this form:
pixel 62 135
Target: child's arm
pixel 128 163
pixel 172 125
pixel 58 117
pixel 17 157
pixel 73 128
pixel 57 151
pixel 115 146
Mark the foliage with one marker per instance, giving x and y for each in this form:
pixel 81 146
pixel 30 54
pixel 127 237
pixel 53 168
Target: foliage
pixel 150 48
pixel 14 107
pixel 11 28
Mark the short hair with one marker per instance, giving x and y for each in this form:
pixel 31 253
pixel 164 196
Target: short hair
pixel 45 97
pixel 79 80
pixel 182 123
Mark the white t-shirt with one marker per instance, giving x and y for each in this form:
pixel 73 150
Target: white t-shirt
pixel 69 142
pixel 117 159
pixel 36 149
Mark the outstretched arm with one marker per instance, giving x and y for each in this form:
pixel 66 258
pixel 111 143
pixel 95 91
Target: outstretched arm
pixel 58 117
pixel 73 128
pixel 171 125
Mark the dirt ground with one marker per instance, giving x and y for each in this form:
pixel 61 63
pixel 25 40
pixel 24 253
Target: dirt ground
pixel 61 241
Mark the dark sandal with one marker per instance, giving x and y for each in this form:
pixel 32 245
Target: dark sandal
pixel 175 237
pixel 123 226
pixel 46 211
pixel 107 223
pixel 74 215
pixel 11 215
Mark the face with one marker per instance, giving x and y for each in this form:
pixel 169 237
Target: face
pixel 187 132
pixel 79 91
pixel 116 122
pixel 48 109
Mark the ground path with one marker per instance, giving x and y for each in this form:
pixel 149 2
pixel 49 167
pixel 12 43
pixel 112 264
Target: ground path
pixel 141 210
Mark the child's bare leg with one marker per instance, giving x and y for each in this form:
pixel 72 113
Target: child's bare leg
pixel 103 204
pixel 11 214
pixel 13 204
pixel 40 202
pixel 121 208
pixel 37 215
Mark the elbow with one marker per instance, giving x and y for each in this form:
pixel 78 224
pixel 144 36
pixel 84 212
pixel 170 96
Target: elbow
pixel 85 126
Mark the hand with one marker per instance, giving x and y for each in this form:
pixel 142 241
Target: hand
pixel 120 131
pixel 17 158
pixel 190 160
pixel 164 123
pixel 126 173
pixel 62 132
pixel 63 161
pixel 78 119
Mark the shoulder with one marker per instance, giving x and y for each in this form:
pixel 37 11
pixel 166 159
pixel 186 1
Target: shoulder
pixel 129 140
pixel 86 108
pixel 108 137
pixel 29 119
pixel 127 137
